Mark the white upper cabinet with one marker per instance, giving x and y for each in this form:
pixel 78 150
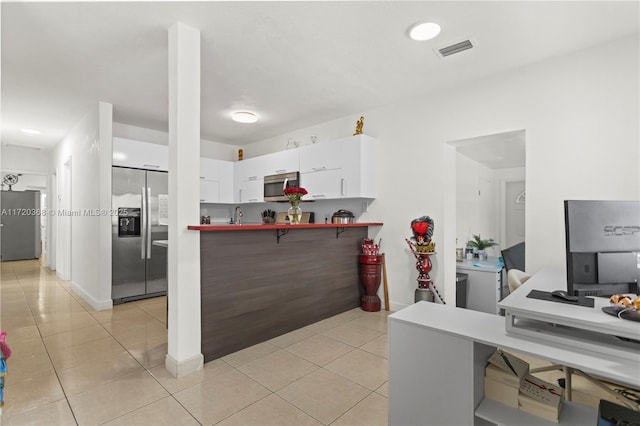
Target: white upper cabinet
pixel 359 159
pixel 343 168
pixel 141 155
pixel 281 162
pixel 248 180
pixel 319 157
pixel 216 181
pixel 249 169
pixel 322 185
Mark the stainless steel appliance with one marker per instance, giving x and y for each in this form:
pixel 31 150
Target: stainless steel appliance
pixel 275 184
pixel 20 225
pixel 342 216
pixel 139 268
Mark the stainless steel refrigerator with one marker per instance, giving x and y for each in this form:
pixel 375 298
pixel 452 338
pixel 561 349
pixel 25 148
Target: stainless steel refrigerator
pixel 139 268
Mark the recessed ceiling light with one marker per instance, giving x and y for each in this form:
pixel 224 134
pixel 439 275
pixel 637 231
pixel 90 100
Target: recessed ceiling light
pixel 244 117
pixel 31 131
pixel 425 31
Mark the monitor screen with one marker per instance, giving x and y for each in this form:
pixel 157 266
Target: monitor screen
pixel 603 247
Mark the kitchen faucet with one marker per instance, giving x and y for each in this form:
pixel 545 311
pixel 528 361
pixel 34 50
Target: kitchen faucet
pixel 237 216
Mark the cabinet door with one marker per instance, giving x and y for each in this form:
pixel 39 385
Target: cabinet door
pixel 281 162
pixel 358 167
pixel 209 191
pixel 225 169
pixel 141 155
pixel 249 169
pixel 251 191
pixel 209 169
pixel 319 157
pixel 326 184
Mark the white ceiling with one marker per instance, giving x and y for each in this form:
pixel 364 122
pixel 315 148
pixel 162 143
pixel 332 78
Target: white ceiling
pixel 295 63
pixel 497 151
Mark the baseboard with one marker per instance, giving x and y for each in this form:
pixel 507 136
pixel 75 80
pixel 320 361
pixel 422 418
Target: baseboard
pixel 98 305
pixel 395 306
pixel 180 369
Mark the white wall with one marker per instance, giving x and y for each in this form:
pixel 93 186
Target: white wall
pixel 208 149
pixel 25 160
pixel 580 112
pixel 88 145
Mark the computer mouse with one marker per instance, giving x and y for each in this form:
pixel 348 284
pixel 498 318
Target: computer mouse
pixel 564 295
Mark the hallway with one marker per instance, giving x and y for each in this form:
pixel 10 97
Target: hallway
pixel 74 365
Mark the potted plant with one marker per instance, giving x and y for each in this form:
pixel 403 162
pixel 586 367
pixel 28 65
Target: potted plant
pixel 480 245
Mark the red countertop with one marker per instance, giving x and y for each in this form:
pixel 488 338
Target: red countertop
pixel 261 227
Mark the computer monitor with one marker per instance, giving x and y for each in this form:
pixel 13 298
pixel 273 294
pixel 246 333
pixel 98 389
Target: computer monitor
pixel 602 247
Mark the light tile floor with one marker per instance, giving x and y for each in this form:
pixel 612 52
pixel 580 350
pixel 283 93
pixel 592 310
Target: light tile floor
pixel 73 365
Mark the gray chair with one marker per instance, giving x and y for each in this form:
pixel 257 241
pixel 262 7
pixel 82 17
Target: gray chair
pixel 513 257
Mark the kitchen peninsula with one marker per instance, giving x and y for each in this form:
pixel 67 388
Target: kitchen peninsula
pixel 261 281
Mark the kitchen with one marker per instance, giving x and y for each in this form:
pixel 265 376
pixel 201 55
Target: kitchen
pixel 347 180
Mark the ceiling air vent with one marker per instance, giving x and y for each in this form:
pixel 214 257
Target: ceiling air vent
pixel 455 48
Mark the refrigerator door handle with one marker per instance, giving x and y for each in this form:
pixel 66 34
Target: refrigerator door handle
pixel 148 223
pixel 144 224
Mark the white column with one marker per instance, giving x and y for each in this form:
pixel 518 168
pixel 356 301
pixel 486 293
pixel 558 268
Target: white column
pixel 184 354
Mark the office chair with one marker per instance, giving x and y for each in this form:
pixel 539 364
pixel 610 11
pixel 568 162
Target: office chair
pixel 515 278
pixel 513 257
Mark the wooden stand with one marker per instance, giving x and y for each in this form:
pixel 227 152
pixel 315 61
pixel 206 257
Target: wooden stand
pixel 386 287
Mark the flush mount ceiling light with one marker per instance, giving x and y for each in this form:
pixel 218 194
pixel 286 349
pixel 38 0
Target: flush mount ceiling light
pixel 244 117
pixel 425 31
pixel 31 131
pixel 120 156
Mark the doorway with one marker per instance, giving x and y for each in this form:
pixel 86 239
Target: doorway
pixel 490 175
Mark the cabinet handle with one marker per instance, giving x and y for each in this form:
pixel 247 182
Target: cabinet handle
pixel 281 170
pixel 253 177
pixel 317 169
pixel 202 200
pixel 319 196
pixel 252 199
pixel 202 177
pixel 155 166
pixel 240 195
pixel 342 187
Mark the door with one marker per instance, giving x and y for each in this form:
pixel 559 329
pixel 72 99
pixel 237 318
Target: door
pixel 158 188
pixel 128 248
pixel 514 213
pixel 21 225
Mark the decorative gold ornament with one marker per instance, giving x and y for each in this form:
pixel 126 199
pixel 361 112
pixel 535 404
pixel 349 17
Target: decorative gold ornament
pixel 359 125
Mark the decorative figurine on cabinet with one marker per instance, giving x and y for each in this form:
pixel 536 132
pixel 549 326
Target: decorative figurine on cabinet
pixel 359 125
pixel 422 247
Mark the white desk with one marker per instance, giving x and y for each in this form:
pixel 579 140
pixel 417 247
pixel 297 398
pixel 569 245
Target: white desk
pixel 437 356
pixel 484 285
pixel 579 326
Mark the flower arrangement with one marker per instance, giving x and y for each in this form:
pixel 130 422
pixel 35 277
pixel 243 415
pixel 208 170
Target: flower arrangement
pixel 295 194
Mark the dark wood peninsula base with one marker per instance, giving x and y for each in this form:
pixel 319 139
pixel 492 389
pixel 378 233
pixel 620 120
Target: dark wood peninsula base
pixel 261 281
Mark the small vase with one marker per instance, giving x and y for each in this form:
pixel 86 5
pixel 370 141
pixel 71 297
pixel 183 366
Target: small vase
pixel 295 214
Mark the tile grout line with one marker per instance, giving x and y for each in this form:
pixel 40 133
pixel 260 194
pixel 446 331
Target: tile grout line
pixel 55 370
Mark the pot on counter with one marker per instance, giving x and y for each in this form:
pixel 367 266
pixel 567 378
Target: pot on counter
pixel 342 216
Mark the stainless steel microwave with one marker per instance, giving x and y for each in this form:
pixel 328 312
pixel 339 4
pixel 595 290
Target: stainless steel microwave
pixel 274 185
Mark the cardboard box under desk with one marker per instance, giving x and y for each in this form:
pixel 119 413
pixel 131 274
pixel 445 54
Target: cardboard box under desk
pixel 501 392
